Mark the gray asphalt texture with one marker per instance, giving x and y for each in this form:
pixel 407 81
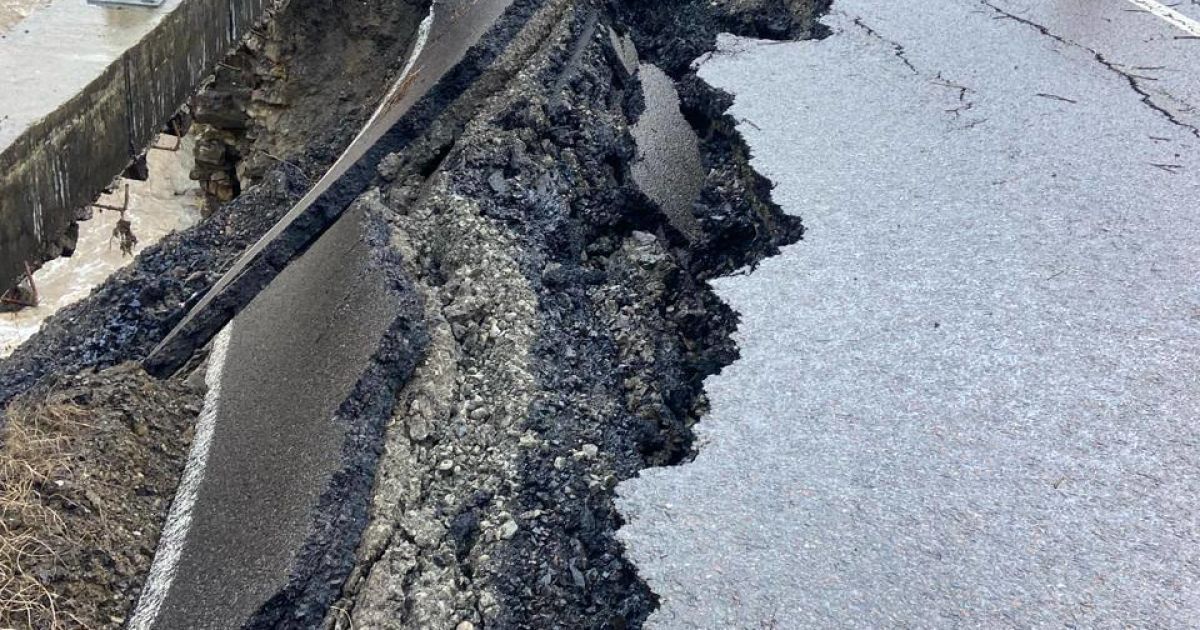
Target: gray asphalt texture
pixel 970 397
pixel 294 356
pixel 668 167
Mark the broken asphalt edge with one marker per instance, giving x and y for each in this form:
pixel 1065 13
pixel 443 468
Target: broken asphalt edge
pixel 305 224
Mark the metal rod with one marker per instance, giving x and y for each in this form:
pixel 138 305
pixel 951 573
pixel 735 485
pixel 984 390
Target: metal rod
pixel 32 284
pixel 122 208
pixel 6 299
pixel 178 139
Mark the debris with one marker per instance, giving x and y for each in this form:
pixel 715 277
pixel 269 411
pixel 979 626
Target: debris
pixel 123 234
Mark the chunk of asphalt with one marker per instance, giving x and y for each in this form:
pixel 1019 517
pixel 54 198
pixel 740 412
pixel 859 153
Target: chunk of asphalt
pixel 309 379
pixel 452 60
pixel 668 167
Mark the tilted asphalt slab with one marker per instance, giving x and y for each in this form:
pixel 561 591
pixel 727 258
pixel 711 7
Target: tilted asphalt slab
pixel 969 397
pixel 253 533
pixel 668 167
pixel 446 41
pixel 290 361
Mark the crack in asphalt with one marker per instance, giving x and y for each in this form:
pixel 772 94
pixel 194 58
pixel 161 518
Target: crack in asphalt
pixel 1056 97
pixel 963 91
pixel 897 48
pixel 1132 79
pixel 938 79
pixel 1146 97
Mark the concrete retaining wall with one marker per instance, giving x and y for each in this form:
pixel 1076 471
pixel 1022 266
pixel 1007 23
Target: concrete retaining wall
pixel 83 90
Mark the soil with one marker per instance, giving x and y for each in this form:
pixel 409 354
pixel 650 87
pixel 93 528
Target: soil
pixel 90 465
pixel 299 88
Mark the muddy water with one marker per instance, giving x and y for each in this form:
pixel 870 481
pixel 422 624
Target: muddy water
pixel 13 11
pixel 168 201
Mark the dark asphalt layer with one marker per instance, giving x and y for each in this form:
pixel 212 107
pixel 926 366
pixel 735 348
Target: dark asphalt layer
pixel 293 357
pixel 668 166
pixel 970 397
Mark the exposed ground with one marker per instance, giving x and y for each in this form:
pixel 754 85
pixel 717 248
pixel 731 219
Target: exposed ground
pixel 88 467
pixel 571 325
pixel 299 88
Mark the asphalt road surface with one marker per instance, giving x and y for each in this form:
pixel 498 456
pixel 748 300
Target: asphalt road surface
pixel 283 368
pixel 969 398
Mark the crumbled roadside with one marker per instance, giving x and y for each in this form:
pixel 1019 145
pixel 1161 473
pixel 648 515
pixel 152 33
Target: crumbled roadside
pixel 572 330
pixel 88 469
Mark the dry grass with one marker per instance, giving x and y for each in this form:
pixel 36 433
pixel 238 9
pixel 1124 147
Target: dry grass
pixel 36 459
pixel 88 467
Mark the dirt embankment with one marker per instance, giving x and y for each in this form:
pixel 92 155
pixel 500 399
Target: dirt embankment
pixel 88 468
pixel 299 88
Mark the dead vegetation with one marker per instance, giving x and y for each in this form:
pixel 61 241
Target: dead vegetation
pixel 88 467
pixel 35 460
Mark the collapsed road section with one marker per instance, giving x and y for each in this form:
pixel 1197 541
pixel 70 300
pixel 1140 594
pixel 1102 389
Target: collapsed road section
pixel 497 311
